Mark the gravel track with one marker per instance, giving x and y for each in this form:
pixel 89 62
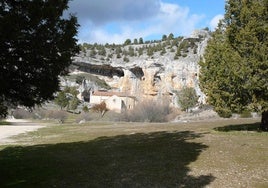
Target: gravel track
pixel 18 126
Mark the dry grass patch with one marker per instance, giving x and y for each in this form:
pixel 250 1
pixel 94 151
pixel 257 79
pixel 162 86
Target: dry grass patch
pixel 105 154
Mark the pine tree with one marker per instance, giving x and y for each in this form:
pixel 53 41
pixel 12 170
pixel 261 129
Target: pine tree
pixel 235 67
pixel 140 40
pixel 170 36
pixel 127 42
pixel 62 100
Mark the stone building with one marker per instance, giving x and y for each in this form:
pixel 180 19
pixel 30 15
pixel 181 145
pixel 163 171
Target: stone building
pixel 116 101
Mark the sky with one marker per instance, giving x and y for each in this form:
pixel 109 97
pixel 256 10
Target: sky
pixel 114 21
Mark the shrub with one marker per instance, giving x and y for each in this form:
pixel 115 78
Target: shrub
pixel 83 117
pixel 40 113
pixel 79 79
pixel 85 109
pixel 246 114
pixel 187 98
pixel 163 51
pixel 62 99
pixel 126 59
pixel 148 111
pixel 100 108
pixel 22 114
pixel 140 51
pixel 73 103
pixel 59 115
pixel 67 98
pixel 223 112
pixel 195 50
pixel 3 111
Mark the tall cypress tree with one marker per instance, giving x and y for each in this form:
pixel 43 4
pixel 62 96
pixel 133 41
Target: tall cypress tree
pixel 235 66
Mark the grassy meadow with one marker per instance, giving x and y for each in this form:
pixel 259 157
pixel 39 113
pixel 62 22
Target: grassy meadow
pixel 218 153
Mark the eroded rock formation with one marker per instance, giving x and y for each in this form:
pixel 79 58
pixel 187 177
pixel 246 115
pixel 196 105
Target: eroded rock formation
pixel 153 76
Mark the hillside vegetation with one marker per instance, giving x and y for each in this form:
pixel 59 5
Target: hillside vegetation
pixel 171 47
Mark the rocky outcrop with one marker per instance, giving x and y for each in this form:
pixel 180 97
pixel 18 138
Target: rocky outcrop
pixel 103 70
pixel 157 75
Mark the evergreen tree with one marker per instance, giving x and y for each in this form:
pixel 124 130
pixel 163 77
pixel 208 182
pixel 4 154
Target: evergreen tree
pixel 187 98
pixel 125 59
pixel 235 67
pixel 118 52
pixel 164 37
pixel 73 103
pixel 102 51
pixel 36 46
pixel 150 51
pixel 218 76
pixel 62 100
pixel 79 79
pixel 93 53
pixel 67 98
pixel 131 51
pixel 163 51
pixel 170 36
pixel 127 42
pixel 140 41
pixel 140 50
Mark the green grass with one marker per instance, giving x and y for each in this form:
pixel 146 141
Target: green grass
pixel 243 127
pixel 4 123
pixel 140 160
pixel 105 154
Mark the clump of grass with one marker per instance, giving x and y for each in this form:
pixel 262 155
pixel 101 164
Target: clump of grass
pixel 84 116
pixel 3 122
pixel 59 115
pixel 246 114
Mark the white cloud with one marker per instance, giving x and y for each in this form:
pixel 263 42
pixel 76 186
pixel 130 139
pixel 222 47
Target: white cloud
pixel 214 22
pixel 161 18
pixel 102 36
pixel 172 19
pixel 102 11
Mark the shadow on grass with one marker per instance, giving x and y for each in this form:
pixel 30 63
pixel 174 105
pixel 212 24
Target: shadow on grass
pixel 241 127
pixel 157 159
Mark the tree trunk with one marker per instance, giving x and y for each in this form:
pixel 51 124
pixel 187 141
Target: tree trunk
pixel 264 121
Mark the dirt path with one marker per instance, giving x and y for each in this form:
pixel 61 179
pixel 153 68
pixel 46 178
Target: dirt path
pixel 18 126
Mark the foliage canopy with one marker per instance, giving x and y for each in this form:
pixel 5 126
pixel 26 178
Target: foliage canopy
pixel 235 66
pixel 187 98
pixel 100 108
pixel 67 98
pixel 36 46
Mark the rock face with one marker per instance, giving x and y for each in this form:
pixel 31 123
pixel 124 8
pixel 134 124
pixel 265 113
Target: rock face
pixel 155 76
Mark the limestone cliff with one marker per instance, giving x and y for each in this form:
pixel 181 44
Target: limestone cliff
pixel 150 75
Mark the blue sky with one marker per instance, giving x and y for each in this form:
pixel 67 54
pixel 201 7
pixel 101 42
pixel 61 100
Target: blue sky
pixel 114 21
